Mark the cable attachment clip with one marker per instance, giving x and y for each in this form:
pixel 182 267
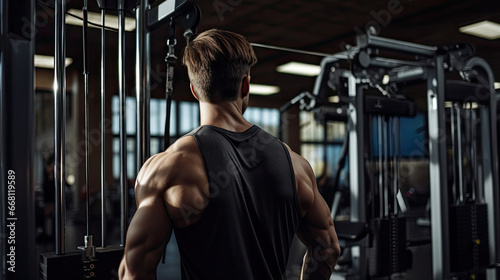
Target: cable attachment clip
pixel 88 250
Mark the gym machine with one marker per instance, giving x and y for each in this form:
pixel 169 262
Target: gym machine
pixel 91 262
pixel 461 151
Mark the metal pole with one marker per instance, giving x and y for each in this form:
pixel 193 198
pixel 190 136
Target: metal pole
pixel 437 171
pixel 296 50
pixel 460 155
pixel 356 169
pixel 493 191
pixel 142 87
pixel 87 128
pixel 60 124
pixel 473 153
pixel 380 169
pixel 3 128
pixel 385 186
pixel 454 152
pixel 396 45
pixel 103 129
pixel 147 89
pixel 123 124
pixel 139 72
pixel 395 163
pixel 490 173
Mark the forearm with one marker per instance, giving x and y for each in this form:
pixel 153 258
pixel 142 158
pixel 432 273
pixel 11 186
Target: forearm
pixel 319 263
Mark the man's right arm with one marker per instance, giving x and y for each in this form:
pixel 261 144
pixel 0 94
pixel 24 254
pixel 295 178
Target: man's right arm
pixel 318 234
pixel 316 231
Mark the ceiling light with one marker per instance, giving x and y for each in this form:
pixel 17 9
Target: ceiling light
pixel 95 18
pixel 47 61
pixel 484 29
pixel 386 79
pixel 334 99
pixel 497 85
pixel 263 89
pixel 299 68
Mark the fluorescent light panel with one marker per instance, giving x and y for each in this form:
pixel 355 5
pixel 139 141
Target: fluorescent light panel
pixel 497 85
pixel 111 20
pixel 47 61
pixel 484 29
pixel 263 89
pixel 299 68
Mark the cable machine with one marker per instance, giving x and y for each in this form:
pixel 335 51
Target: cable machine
pixel 92 262
pixel 464 214
pixel 461 154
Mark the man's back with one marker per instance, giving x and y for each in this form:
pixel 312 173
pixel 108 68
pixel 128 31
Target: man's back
pixel 246 229
pixel 232 206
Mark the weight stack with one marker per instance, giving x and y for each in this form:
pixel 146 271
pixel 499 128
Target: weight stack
pixel 61 267
pixel 72 265
pixel 388 253
pixel 468 237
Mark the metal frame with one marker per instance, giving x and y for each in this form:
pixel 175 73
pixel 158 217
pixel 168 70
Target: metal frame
pixel 18 63
pixel 17 138
pixel 437 169
pixel 123 124
pixel 431 70
pixel 357 170
pixel 3 93
pixel 60 123
pixel 488 116
pixel 103 130
pixel 142 81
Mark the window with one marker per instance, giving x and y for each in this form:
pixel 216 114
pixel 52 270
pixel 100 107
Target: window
pixel 313 143
pixel 265 118
pixel 185 117
pixel 131 131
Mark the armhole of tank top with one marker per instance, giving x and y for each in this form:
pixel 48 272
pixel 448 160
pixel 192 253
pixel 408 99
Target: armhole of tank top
pixel 292 173
pixel 203 216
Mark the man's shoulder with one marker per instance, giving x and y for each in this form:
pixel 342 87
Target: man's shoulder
pixel 185 145
pixel 297 160
pixel 179 159
pixel 180 155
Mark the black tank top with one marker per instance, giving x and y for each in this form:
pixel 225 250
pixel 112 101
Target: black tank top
pixel 247 228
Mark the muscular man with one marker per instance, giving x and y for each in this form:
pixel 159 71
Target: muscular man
pixel 234 195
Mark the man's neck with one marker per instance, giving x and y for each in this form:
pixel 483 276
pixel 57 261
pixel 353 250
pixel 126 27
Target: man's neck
pixel 227 115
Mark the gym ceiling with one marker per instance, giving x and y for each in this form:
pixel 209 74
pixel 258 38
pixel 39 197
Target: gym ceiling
pixel 324 26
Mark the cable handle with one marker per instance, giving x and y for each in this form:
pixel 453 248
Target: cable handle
pixel 170 59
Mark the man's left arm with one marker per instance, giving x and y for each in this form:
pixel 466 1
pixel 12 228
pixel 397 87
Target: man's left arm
pixel 148 232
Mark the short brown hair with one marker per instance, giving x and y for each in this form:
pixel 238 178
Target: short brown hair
pixel 217 60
